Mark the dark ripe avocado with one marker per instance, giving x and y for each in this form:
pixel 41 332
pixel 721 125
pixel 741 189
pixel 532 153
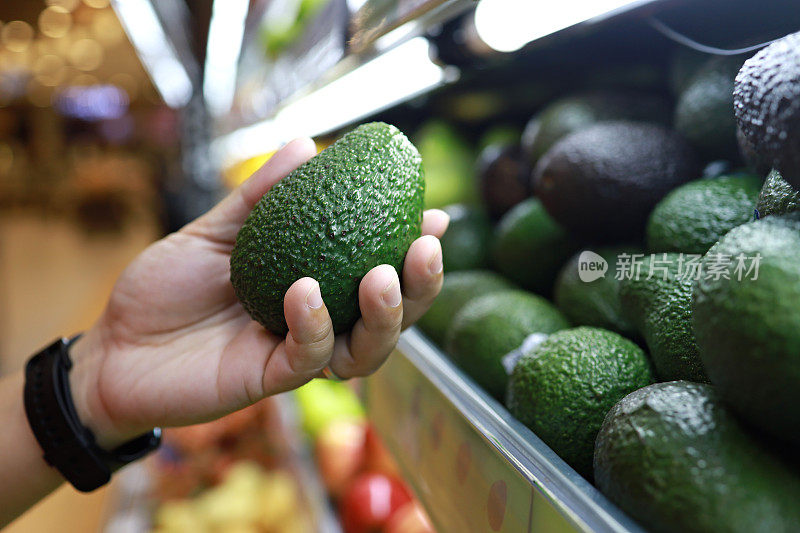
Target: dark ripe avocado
pixel 752 159
pixel 529 247
pixel 572 113
pixel 602 182
pixel 457 289
pixel 594 303
pixel 504 178
pixel 767 105
pixel 490 326
pixel 777 197
pixel 694 216
pixel 356 205
pixel 683 65
pixel 703 111
pixel 658 302
pixel 672 457
pixel 465 244
pixel 564 387
pixel 748 326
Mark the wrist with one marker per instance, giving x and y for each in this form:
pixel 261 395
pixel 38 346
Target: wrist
pixel 88 354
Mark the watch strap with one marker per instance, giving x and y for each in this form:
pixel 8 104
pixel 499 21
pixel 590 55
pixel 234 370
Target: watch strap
pixel 69 446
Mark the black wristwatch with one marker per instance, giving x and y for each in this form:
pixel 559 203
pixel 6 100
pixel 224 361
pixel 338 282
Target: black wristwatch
pixel 68 445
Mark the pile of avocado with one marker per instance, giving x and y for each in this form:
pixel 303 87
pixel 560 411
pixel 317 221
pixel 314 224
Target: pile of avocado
pixel 639 314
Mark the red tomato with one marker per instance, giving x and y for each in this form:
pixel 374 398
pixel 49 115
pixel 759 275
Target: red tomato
pixel 410 518
pixel 370 502
pixel 340 454
pixel 378 457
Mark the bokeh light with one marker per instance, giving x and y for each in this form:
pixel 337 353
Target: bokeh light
pixel 106 28
pixel 97 4
pixel 16 35
pixel 86 54
pixel 69 5
pixel 84 80
pixel 49 70
pixel 54 21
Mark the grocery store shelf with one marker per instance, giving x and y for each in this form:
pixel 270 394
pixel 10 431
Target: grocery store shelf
pixel 383 24
pixel 351 91
pixel 471 463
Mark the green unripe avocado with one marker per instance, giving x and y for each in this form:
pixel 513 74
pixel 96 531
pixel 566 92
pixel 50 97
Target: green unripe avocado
pixel 671 456
pixel 489 327
pixel 777 196
pixel 694 216
pixel 660 307
pixel 594 303
pixel 530 247
pixel 356 205
pixel 748 329
pixel 564 387
pixel 458 288
pixel 465 244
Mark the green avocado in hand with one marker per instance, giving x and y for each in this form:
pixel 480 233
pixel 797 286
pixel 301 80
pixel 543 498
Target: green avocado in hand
pixel 354 206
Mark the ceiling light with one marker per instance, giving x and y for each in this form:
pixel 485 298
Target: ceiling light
pixel 141 24
pixel 508 25
pixel 394 77
pixel 225 34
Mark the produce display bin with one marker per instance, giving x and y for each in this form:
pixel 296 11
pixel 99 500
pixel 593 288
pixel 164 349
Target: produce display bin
pixel 474 466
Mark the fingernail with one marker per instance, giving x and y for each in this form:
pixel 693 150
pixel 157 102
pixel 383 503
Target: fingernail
pixel 314 298
pixel 435 264
pixel 391 295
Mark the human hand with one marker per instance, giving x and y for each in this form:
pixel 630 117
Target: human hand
pixel 175 347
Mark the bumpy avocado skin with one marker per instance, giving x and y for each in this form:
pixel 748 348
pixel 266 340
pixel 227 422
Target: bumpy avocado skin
pixel 356 205
pixel 529 247
pixel 594 303
pixel 748 330
pixel 564 387
pixel 489 327
pixel 457 289
pixel 767 105
pixel 465 244
pixel 602 182
pixel 672 457
pixel 694 216
pixel 777 197
pixel 703 111
pixel 575 112
pixel 661 309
